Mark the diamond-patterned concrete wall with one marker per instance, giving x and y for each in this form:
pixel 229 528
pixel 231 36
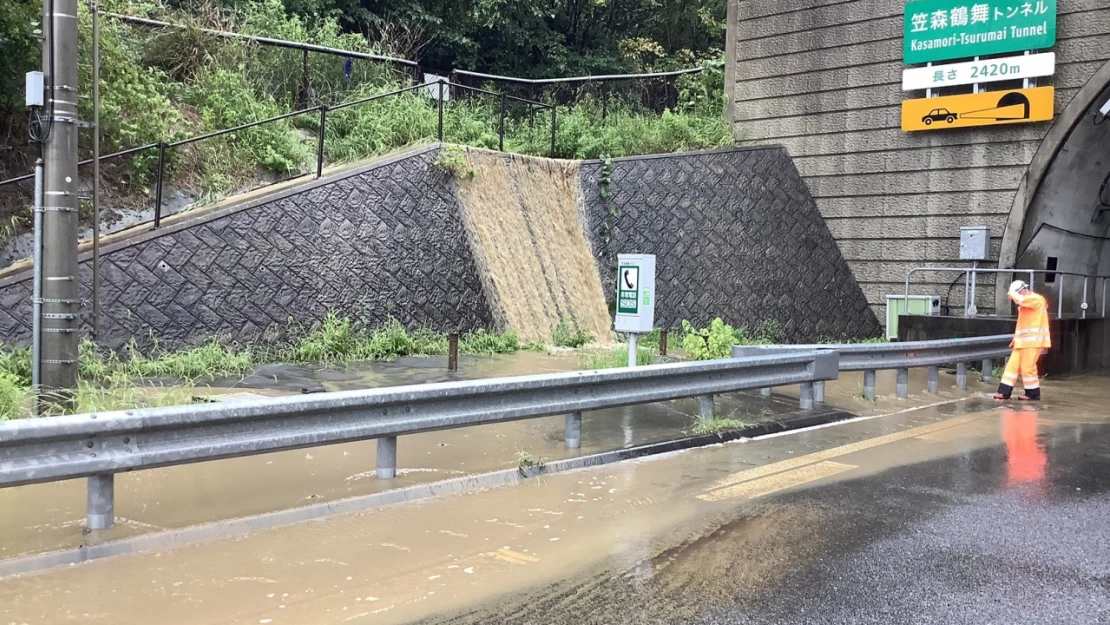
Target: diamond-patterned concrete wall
pixel 736 235
pixel 383 239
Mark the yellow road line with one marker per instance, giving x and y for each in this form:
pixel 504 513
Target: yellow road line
pixel 781 481
pixel 514 557
pixel 836 452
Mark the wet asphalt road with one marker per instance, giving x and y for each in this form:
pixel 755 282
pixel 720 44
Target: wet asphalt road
pixel 1012 533
pixel 959 511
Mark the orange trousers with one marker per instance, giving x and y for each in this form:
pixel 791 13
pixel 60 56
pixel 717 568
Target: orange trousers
pixel 1023 364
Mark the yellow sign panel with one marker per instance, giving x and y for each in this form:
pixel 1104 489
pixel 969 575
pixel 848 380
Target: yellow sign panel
pixel 1018 106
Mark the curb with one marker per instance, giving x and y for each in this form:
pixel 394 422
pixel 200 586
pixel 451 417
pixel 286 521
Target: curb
pixel 280 518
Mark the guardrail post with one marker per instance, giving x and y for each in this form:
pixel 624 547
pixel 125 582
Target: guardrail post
pixel 986 372
pixel 573 434
pixel 100 513
pixel 869 385
pixel 453 352
pixel 819 392
pixel 805 398
pixel 158 185
pixel 934 380
pixel 903 383
pixel 705 406
pixel 961 376
pixel 387 457
pixel 320 142
pixel 766 392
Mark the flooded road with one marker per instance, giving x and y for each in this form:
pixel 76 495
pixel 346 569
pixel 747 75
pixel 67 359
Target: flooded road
pixel 48 517
pixel 963 512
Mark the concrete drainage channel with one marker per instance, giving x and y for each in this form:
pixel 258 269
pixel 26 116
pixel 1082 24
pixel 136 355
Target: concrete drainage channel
pixel 237 527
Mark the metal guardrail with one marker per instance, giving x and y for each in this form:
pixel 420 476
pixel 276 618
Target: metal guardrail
pixel 1059 278
pixel 100 445
pixel 902 356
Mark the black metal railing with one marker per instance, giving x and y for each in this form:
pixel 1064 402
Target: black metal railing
pixel 164 147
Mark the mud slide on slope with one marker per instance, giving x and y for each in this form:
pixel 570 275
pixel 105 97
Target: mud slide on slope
pixel 524 224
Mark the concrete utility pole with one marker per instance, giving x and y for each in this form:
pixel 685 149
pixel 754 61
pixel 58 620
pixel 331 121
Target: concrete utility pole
pixel 60 300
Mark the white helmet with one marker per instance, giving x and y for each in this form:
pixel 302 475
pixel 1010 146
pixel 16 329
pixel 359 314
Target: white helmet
pixel 1017 286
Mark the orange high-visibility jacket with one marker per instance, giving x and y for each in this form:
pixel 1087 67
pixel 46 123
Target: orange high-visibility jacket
pixel 1032 323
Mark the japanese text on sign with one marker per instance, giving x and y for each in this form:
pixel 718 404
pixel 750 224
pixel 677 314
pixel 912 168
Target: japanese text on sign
pixel 936 30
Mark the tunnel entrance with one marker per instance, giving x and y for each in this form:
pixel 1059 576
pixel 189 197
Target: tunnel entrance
pixel 1066 226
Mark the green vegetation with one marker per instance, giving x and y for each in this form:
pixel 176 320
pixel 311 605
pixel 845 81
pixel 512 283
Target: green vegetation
pixel 716 425
pixel 716 341
pixel 132 378
pixel 452 160
pixel 167 84
pixel 487 343
pixel 568 334
pixel 617 358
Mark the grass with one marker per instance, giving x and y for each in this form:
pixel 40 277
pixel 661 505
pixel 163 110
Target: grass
pixel 652 340
pixel 134 378
pixel 568 334
pixel 488 343
pixel 616 358
pixel 716 425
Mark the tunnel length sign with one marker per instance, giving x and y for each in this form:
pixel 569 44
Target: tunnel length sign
pixel 1016 106
pixel 972 72
pixel 938 30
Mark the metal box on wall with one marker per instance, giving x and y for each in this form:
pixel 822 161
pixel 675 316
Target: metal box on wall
pixel 975 243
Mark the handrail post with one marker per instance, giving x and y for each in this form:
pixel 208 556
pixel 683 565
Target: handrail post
pixel 1083 306
pixel 158 184
pixel 1060 298
pixel 320 143
pixel 501 125
pixel 1103 298
pixel 441 85
pixel 554 113
pixel 100 502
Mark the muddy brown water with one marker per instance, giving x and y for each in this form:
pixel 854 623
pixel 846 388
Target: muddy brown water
pixel 671 528
pixel 47 517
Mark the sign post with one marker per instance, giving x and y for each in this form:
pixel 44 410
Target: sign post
pixel 635 298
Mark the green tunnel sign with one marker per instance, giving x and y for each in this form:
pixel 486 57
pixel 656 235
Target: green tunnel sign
pixel 938 30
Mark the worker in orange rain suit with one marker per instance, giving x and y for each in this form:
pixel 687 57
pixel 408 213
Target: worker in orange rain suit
pixel 1031 340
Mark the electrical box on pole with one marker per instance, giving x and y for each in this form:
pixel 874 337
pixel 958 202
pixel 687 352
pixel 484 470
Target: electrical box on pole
pixel 35 89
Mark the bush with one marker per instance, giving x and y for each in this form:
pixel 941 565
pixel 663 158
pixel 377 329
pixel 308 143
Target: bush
pixel 567 334
pixel 710 343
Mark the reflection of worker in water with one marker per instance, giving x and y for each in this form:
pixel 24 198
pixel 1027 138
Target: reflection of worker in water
pixel 1025 459
pixel 1031 340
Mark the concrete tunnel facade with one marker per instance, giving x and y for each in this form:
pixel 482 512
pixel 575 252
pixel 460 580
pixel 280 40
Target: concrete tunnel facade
pixel 824 79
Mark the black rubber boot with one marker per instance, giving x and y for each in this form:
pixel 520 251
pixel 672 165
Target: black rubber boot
pixel 1033 394
pixel 1004 391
